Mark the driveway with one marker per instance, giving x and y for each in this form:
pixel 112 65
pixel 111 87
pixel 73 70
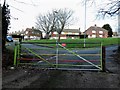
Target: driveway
pixel 111 65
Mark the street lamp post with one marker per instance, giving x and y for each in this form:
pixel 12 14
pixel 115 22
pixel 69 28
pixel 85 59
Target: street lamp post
pixel 85 24
pixel 57 51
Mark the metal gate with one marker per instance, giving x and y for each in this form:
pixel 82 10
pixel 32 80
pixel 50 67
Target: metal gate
pixel 65 56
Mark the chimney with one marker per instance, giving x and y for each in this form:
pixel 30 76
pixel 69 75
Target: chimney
pixel 32 27
pixel 95 25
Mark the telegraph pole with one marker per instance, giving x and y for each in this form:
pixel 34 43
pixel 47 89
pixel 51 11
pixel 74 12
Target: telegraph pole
pixel 1 48
pixel 4 2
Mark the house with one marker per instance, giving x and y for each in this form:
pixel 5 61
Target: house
pixel 29 33
pixel 67 33
pixel 115 34
pixel 96 32
pixel 17 33
pixel 32 34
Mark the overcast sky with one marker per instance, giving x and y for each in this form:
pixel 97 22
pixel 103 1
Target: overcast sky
pixel 27 10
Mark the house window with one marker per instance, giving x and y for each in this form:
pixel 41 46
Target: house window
pixel 93 36
pixel 31 36
pixel 55 33
pixel 25 36
pixel 101 32
pixel 63 37
pixel 33 32
pixel 93 31
pixel 76 33
pixel 101 36
pixel 26 32
pixel 62 33
pixel 69 33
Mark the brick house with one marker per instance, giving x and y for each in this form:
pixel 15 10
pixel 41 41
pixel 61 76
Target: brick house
pixel 67 33
pixel 115 34
pixel 32 34
pixel 29 33
pixel 96 32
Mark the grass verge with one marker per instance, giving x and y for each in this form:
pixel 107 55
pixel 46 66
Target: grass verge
pixel 77 43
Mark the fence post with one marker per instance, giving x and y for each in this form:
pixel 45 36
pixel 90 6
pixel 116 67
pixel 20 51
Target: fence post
pixel 57 53
pixel 19 50
pixel 15 55
pixel 103 59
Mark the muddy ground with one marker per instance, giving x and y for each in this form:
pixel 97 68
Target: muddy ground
pixel 28 77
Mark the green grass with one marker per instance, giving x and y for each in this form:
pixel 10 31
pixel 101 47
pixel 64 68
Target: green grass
pixel 74 43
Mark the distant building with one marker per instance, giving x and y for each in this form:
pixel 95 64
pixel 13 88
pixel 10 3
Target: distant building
pixel 32 34
pixel 115 34
pixel 96 32
pixel 67 33
pixel 17 33
pixel 29 34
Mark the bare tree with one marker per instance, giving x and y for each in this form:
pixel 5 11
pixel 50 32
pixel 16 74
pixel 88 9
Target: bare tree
pixel 63 18
pixel 54 21
pixel 46 23
pixel 110 8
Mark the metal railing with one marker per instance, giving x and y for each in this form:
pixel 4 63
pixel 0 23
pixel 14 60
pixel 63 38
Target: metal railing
pixel 60 56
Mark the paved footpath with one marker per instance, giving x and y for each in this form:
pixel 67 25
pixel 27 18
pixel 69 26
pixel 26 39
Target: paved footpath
pixel 111 65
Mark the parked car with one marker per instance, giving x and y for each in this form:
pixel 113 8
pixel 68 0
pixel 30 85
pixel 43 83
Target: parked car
pixel 9 39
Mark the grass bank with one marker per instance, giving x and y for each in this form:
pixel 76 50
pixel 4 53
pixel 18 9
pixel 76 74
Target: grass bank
pixel 90 42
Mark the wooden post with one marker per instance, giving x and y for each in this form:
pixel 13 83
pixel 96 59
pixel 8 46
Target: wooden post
pixel 103 59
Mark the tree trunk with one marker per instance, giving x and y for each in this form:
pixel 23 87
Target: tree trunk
pixel 47 36
pixel 59 37
pixel 3 45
